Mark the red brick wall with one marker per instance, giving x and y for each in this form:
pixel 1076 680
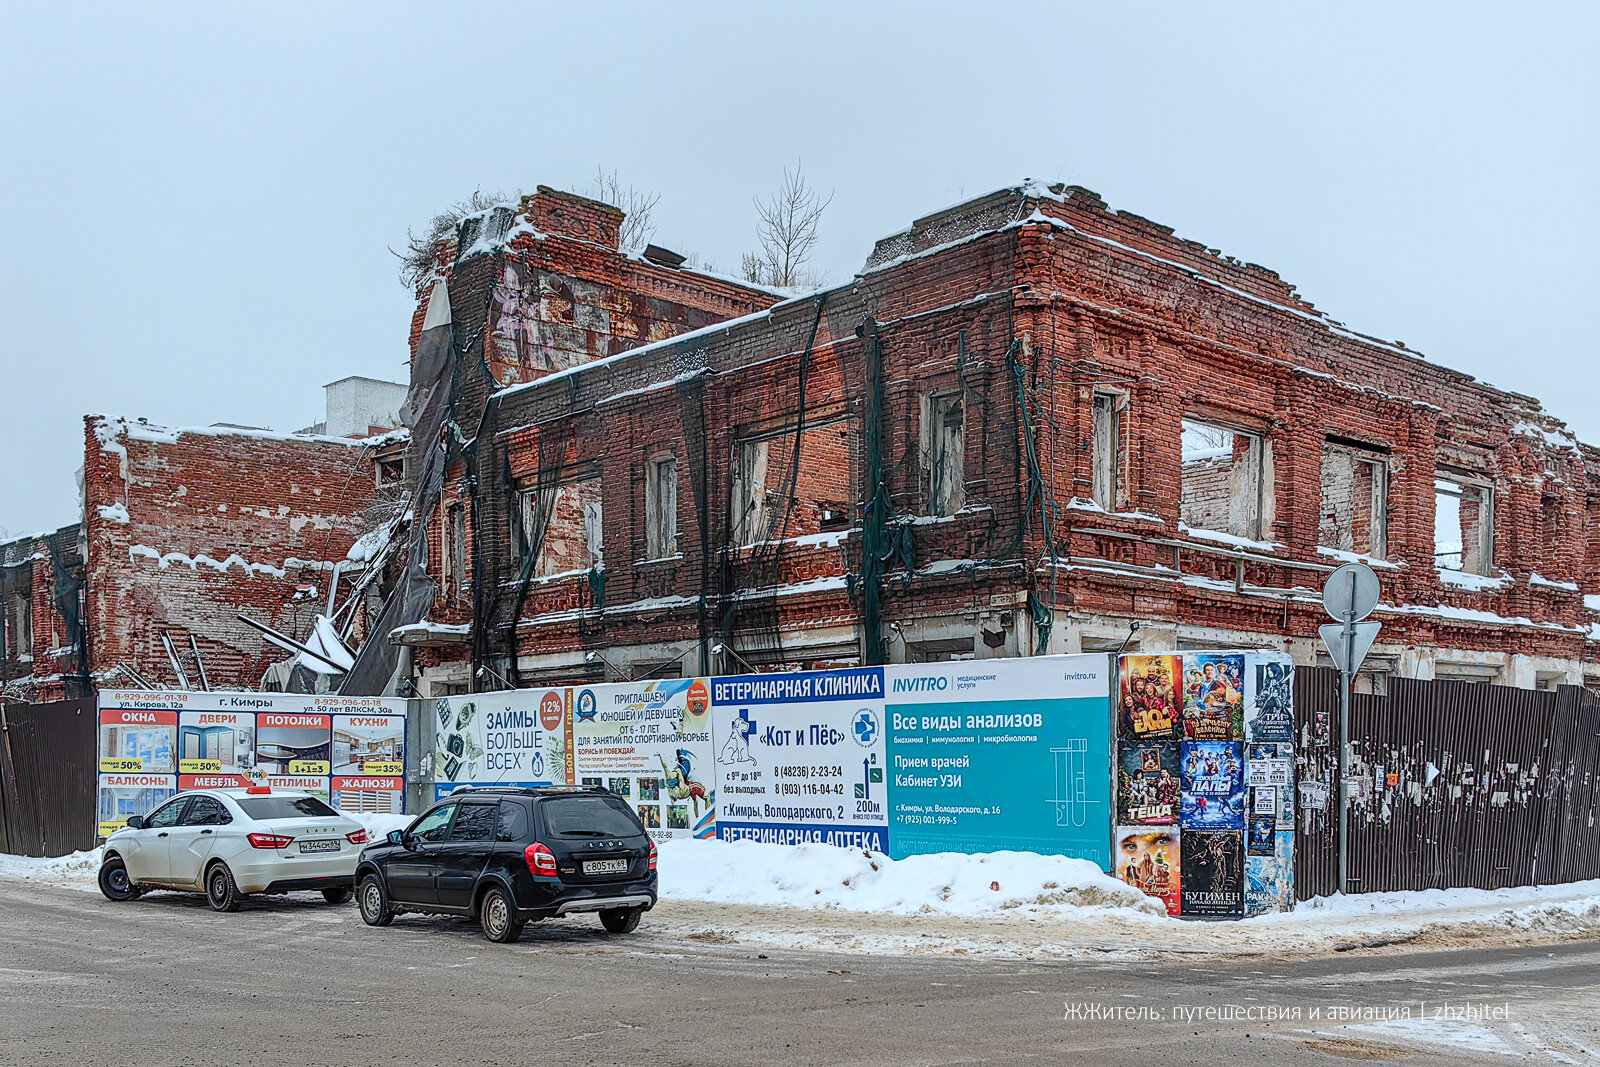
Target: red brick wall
pixel 218 522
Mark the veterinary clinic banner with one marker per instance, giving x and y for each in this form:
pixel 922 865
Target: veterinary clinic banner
pixel 650 743
pixel 986 755
pixel 513 737
pixel 800 758
pixel 153 744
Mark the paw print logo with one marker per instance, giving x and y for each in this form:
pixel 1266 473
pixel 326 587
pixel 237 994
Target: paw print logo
pixel 864 727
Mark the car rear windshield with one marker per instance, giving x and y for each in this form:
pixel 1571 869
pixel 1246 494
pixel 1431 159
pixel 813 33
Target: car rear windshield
pixel 590 817
pixel 269 808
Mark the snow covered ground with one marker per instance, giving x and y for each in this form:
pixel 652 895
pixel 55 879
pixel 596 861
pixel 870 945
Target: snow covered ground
pixel 1006 904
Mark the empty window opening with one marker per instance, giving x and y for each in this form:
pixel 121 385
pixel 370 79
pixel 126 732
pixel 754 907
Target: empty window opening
pixel 948 651
pixel 1222 480
pixel 1355 493
pixel 573 530
pixel 456 548
pixel 1463 526
pixel 1108 408
pixel 758 509
pixel 20 626
pixel 944 453
pixel 391 471
pixel 661 508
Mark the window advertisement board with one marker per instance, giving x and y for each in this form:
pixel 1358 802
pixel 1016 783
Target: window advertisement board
pixel 650 743
pixel 986 755
pixel 513 737
pixel 156 743
pixel 800 758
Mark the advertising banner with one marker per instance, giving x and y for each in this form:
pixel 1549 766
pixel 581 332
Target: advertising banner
pixel 1148 857
pixel 369 762
pixel 650 743
pixel 1213 696
pixel 514 737
pixel 156 743
pixel 1213 873
pixel 1151 707
pixel 988 755
pixel 1148 784
pixel 1269 698
pixel 800 758
pixel 1213 785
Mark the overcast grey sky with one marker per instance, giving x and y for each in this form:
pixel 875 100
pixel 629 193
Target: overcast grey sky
pixel 197 202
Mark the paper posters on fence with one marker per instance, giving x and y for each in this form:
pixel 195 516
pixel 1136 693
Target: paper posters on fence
pixel 1269 698
pixel 514 737
pixel 1213 872
pixel 650 742
pixel 1150 704
pixel 1213 785
pixel 800 758
pixel 1213 696
pixel 1269 876
pixel 1148 857
pixel 1148 783
pixel 1013 754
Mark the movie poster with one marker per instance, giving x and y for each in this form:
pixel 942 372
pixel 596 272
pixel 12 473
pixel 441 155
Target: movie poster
pixel 1213 696
pixel 1269 698
pixel 1148 784
pixel 1212 862
pixel 1269 877
pixel 1262 837
pixel 1213 785
pixel 1151 707
pixel 1149 860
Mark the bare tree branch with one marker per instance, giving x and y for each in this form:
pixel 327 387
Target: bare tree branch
pixel 787 227
pixel 637 208
pixel 418 261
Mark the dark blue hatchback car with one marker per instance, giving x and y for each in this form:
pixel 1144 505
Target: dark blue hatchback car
pixel 512 855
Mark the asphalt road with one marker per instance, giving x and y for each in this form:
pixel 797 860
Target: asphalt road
pixel 166 981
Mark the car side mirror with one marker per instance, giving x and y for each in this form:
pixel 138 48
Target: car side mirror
pixel 136 822
pixel 395 837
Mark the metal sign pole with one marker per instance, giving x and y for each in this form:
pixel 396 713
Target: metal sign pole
pixel 1346 681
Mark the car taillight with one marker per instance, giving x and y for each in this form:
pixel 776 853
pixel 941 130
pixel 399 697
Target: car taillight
pixel 652 855
pixel 358 837
pixel 269 841
pixel 541 861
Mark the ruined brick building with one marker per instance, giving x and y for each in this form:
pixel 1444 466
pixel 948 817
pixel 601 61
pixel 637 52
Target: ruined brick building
pixel 1026 425
pixel 183 530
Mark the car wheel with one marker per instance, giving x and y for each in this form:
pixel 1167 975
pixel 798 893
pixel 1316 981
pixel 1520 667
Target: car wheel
pixel 341 895
pixel 374 902
pixel 222 893
pixel 497 917
pixel 115 883
pixel 621 920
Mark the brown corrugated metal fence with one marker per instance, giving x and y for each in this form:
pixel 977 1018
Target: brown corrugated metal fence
pixel 47 777
pixel 1460 785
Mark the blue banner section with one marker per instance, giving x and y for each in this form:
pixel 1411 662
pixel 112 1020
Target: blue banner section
pixel 1001 756
pixel 867 837
pixel 859 683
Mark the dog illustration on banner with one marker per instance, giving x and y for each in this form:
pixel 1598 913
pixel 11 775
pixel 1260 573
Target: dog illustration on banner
pixel 681 784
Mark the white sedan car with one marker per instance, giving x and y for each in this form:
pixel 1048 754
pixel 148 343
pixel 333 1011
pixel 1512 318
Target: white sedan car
pixel 227 843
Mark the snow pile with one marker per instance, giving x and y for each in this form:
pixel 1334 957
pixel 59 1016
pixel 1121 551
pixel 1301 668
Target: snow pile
pixel 117 513
pixel 76 871
pixel 948 883
pixel 1527 909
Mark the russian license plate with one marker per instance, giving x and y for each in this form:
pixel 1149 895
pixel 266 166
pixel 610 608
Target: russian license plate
pixel 319 846
pixel 604 866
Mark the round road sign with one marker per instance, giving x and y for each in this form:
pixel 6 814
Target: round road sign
pixel 1351 592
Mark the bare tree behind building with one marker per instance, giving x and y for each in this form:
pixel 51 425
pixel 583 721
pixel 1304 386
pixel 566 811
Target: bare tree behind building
pixel 787 226
pixel 637 207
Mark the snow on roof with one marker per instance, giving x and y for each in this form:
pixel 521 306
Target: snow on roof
pixel 111 430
